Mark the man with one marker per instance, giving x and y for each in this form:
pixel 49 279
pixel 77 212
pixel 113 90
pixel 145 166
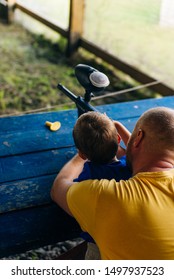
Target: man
pixel 131 219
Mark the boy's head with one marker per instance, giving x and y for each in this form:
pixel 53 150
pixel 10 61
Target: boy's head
pixel 96 137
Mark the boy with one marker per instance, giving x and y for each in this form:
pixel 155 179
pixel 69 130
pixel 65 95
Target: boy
pixel 97 139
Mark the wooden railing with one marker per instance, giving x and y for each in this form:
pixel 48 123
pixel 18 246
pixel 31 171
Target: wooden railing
pixel 74 35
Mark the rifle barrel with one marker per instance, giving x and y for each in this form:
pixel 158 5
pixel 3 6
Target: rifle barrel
pixel 71 95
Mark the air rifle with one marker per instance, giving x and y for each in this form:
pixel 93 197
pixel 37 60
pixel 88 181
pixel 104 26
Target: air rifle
pixel 93 82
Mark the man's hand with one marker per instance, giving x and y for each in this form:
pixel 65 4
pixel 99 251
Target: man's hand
pixel 64 180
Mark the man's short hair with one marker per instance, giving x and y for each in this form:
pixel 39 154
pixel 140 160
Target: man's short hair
pixel 159 124
pixel 95 136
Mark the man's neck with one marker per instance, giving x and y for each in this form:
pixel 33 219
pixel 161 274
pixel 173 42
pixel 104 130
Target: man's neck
pixel 156 166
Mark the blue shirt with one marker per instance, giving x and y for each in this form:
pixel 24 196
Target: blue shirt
pixel 117 170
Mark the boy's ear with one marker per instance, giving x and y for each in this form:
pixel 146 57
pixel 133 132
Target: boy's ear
pixel 82 155
pixel 118 138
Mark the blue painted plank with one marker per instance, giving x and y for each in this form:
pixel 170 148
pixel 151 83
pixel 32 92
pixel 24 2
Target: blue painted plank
pixel 133 109
pixel 35 227
pixel 34 165
pixel 17 143
pixel 35 122
pixel 25 193
pixel 28 139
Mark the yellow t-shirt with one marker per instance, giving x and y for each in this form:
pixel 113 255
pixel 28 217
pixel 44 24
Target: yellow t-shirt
pixel 131 219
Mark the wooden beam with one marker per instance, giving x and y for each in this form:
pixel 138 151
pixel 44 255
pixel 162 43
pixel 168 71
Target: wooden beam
pixel 136 74
pixel 7 10
pixel 75 30
pixel 41 19
pixel 3 12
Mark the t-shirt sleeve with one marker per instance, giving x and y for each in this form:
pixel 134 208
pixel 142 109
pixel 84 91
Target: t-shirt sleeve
pixel 82 201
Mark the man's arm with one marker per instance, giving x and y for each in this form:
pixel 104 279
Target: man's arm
pixel 64 180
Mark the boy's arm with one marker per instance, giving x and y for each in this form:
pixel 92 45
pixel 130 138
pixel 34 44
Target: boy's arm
pixel 64 181
pixel 122 131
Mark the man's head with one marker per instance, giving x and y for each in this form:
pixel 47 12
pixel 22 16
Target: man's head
pixel 95 137
pixel 152 138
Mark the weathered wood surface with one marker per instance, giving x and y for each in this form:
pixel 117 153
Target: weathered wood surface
pixel 30 158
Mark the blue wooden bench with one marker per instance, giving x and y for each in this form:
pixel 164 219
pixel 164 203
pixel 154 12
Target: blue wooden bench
pixel 31 157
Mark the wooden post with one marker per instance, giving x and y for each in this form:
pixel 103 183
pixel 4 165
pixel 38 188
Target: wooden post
pixel 75 29
pixel 7 10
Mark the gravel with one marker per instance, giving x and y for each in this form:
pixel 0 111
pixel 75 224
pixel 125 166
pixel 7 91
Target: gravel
pixel 49 252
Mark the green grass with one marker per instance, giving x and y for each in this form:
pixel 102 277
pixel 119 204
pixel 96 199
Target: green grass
pixel 31 67
pixel 30 70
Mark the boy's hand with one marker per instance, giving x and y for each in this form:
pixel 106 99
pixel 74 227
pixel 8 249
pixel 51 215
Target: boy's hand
pixel 122 131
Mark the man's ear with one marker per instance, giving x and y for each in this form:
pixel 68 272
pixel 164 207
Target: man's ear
pixel 82 155
pixel 138 138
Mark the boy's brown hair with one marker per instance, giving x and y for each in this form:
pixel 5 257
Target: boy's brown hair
pixel 95 136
